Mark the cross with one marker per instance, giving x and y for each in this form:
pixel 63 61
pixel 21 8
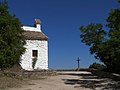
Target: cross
pixel 78 60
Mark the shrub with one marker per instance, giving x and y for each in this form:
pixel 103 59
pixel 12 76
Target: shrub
pixel 34 62
pixel 97 66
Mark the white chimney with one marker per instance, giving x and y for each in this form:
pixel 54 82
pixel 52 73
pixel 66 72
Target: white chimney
pixel 38 24
pixel 36 28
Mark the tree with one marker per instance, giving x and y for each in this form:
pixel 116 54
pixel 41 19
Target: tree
pixel 11 39
pixel 105 49
pixel 114 41
pixel 93 36
pixel 97 66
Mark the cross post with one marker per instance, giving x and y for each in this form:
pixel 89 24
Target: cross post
pixel 78 60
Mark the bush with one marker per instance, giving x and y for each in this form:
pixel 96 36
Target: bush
pixel 97 66
pixel 34 62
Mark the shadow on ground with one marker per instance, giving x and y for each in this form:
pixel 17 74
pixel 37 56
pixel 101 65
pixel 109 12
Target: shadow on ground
pixel 92 82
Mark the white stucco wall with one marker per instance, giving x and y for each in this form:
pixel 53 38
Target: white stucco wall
pixel 42 59
pixel 28 28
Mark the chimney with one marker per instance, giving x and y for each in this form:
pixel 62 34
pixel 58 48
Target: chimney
pixel 38 24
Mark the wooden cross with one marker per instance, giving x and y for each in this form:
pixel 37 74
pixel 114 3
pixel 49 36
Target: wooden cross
pixel 78 60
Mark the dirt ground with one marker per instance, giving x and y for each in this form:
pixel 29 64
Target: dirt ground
pixel 81 80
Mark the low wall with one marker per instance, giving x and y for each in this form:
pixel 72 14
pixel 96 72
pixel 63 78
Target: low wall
pixel 28 74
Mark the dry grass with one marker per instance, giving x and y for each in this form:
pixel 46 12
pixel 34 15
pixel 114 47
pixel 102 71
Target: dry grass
pixel 15 77
pixel 9 79
pixel 8 82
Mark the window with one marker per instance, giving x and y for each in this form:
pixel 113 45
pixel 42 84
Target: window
pixel 35 53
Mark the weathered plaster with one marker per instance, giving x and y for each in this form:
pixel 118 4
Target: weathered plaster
pixel 42 59
pixel 37 28
pixel 40 45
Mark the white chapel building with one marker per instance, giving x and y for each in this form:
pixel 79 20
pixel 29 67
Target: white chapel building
pixel 36 48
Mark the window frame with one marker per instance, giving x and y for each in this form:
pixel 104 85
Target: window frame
pixel 34 53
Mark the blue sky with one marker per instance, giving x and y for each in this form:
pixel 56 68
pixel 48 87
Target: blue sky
pixel 61 20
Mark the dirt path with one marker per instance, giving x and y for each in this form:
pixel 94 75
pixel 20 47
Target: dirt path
pixel 69 81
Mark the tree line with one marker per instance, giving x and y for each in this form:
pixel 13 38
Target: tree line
pixel 104 44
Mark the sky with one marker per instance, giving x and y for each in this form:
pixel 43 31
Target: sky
pixel 61 20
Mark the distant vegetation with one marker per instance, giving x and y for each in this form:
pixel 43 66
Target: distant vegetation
pixel 97 66
pixel 11 39
pixel 104 44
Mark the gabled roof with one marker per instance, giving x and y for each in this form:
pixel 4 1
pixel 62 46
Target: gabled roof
pixel 34 35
